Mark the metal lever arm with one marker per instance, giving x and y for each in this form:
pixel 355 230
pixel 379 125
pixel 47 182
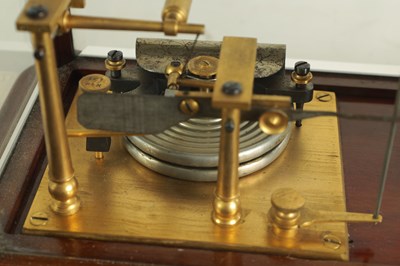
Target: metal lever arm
pixel 288 215
pixel 310 217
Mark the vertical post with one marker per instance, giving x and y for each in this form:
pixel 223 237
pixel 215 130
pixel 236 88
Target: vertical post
pixel 62 183
pixel 232 93
pixel 227 207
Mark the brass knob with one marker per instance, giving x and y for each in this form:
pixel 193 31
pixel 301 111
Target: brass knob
pixel 95 83
pixel 287 199
pixel 189 106
pixel 274 122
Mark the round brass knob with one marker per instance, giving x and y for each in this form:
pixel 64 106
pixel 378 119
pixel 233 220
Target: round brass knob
pixel 274 122
pixel 287 200
pixel 95 83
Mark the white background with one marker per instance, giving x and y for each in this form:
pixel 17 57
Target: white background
pixel 352 31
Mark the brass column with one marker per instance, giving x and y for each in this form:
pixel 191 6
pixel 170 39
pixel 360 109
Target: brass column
pixel 62 183
pixel 227 208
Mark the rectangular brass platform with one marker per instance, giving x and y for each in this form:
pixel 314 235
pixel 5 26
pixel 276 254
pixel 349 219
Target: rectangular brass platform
pixel 122 200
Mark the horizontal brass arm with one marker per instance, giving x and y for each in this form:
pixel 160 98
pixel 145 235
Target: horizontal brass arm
pixel 310 217
pixel 87 22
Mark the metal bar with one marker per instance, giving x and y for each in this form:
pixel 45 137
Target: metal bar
pixel 236 65
pixel 86 22
pixel 62 182
pixel 227 207
pixel 388 155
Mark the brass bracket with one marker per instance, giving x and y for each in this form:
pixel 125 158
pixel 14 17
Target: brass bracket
pixel 42 15
pixel 236 66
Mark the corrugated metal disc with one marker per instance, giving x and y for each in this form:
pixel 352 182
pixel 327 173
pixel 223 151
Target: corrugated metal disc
pixel 190 150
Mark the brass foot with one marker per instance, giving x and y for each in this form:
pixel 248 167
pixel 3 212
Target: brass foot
pixel 226 211
pixel 64 197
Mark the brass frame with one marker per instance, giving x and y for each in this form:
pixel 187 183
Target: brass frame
pixel 55 18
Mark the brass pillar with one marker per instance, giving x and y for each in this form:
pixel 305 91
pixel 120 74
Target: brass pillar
pixel 227 207
pixel 62 183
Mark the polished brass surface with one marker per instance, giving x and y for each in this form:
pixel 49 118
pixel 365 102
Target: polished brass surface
pixel 236 64
pixel 62 183
pixel 226 205
pixel 124 201
pixel 273 122
pixel 203 66
pixel 301 80
pixel 95 83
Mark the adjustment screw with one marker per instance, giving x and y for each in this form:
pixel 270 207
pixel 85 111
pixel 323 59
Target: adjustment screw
pixel 229 126
pixel 39 53
pixel 232 88
pixel 37 12
pixel 115 56
pixel 302 68
pixel 189 107
pixel 331 241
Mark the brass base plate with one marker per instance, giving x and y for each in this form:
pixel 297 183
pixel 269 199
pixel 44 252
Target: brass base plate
pixel 124 201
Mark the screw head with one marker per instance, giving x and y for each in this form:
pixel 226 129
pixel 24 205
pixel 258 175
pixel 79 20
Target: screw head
pixel 189 107
pixel 232 88
pixel 229 126
pixel 115 56
pixel 323 97
pixel 39 53
pixel 331 241
pixel 39 218
pixel 302 68
pixel 37 12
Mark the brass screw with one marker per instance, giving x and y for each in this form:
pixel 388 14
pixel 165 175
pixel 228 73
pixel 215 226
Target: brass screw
pixel 189 107
pixel 232 88
pixel 332 241
pixel 37 12
pixel 99 155
pixel 324 97
pixel 39 218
